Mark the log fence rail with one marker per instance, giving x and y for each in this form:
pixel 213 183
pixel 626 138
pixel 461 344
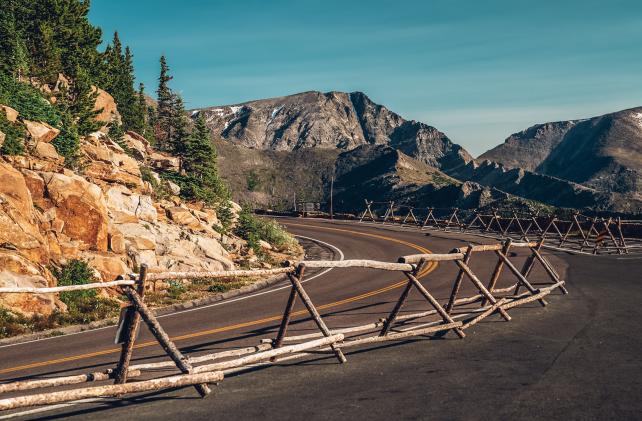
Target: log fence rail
pixel 573 232
pixel 457 314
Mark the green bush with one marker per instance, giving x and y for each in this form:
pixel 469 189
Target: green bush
pixel 175 290
pixel 27 100
pixel 210 191
pixel 82 306
pixel 253 229
pixel 14 137
pixel 75 272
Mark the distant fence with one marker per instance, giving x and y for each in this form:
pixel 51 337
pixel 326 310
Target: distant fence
pixel 456 314
pixel 573 232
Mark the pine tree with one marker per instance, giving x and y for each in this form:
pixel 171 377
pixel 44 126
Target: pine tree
pixel 81 99
pixel 178 125
pixel 164 109
pixel 200 165
pixel 140 124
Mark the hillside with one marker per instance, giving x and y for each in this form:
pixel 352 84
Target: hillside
pixel 603 154
pixel 529 148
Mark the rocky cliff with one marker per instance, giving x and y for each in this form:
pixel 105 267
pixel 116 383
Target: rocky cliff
pixel 107 213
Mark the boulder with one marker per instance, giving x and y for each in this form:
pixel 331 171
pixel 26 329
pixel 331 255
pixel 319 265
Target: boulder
pixel 164 162
pixel 138 236
pixel 213 250
pixel 109 266
pixel 107 106
pixel 81 206
pixel 117 242
pixel 10 113
pixel 110 173
pixel 2 138
pixel 137 144
pixel 183 217
pixel 122 203
pixel 18 223
pixel 265 245
pixel 41 131
pixel 18 271
pixel 173 188
pixel 106 161
pixel 48 151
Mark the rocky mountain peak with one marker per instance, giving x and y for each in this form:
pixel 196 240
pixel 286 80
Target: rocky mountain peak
pixel 332 120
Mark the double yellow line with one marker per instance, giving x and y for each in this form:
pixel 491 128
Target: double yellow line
pixel 429 268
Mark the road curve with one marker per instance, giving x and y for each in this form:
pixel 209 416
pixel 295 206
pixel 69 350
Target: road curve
pixel 404 381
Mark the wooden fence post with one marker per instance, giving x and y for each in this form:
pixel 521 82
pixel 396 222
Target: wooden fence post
pixel 130 326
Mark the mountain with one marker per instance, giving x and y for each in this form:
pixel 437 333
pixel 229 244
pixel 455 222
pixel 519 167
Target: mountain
pixel 529 148
pixel 332 120
pixel 602 153
pixel 273 150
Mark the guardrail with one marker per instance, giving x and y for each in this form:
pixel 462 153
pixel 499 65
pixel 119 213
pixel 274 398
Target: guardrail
pixel 457 314
pixel 574 232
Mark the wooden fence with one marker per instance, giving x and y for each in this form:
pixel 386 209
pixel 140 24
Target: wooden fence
pixel 456 314
pixel 572 232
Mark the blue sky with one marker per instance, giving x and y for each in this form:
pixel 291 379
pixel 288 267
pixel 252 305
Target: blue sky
pixel 477 70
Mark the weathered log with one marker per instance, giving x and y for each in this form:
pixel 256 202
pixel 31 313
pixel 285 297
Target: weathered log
pixel 266 355
pixel 51 290
pixel 353 263
pixel 155 328
pixel 414 258
pixel 443 313
pixel 217 274
pixel 401 335
pixel 527 299
pixel 206 357
pixel 287 313
pixel 314 312
pixel 111 390
pixel 521 278
pixel 498 269
pixel 131 324
pixel 402 299
pixel 62 381
pixel 458 280
pixel 490 310
pixel 482 289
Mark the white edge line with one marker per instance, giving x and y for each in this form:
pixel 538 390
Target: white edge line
pixel 220 303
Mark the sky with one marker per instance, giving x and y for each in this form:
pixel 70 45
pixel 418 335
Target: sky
pixel 476 70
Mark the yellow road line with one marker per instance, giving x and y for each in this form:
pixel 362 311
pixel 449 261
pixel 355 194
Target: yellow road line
pixel 429 268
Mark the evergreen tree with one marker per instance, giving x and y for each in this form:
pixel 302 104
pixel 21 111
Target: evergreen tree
pixel 141 124
pixel 164 109
pixel 81 99
pixel 199 163
pixel 178 125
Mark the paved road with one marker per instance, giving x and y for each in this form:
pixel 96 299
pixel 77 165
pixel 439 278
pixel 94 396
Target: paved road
pixel 577 358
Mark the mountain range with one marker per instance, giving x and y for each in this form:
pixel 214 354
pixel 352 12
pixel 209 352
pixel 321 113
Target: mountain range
pixel 280 147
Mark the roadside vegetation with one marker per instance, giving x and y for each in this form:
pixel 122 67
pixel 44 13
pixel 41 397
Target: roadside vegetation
pixel 82 306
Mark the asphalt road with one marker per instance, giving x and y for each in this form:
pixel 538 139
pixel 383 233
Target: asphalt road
pixel 577 358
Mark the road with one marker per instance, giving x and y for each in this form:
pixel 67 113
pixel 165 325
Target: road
pixel 577 358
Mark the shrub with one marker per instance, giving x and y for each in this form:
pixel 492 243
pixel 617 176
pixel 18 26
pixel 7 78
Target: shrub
pixel 27 100
pixel 176 289
pixel 67 143
pixel 83 306
pixel 75 272
pixel 14 137
pixel 253 229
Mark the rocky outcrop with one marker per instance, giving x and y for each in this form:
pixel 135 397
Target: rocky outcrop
pixel 106 106
pixel 19 228
pixel 40 131
pixel 81 206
